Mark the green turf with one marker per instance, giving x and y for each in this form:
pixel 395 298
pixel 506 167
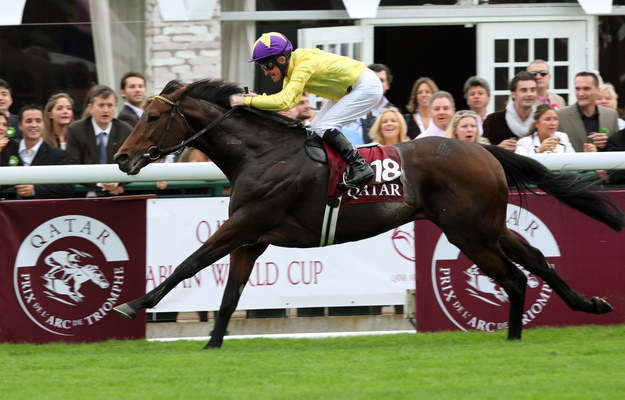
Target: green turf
pixel 549 363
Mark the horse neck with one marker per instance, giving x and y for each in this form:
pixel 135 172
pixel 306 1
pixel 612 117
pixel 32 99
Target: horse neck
pixel 237 143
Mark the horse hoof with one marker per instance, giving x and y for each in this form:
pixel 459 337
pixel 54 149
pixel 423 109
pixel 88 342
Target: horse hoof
pixel 603 306
pixel 126 311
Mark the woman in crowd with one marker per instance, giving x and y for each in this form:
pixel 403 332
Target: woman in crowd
pixel 58 114
pixel 609 98
pixel 389 128
pixel 544 137
pixel 464 126
pixel 418 117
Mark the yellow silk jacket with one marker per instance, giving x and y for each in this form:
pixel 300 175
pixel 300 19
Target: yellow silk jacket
pixel 324 74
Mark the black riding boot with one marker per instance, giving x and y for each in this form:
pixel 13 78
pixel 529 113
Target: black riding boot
pixel 360 171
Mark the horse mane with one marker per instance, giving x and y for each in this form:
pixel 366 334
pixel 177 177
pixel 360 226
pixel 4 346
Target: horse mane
pixel 218 92
pixel 214 91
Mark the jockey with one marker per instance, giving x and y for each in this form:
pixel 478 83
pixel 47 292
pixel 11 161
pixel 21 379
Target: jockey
pixel 350 87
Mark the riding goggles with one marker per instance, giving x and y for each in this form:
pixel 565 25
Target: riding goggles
pixel 267 65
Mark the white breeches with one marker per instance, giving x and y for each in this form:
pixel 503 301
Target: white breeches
pixel 365 94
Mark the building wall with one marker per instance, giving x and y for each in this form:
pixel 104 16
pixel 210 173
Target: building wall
pixel 185 50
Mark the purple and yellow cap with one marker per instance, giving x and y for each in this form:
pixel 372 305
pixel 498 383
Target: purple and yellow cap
pixel 270 44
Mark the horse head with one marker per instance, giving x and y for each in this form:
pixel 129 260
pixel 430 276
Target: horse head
pixel 170 121
pixel 94 273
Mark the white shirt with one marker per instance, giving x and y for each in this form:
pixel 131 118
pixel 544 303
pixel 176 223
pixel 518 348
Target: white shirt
pixel 28 155
pixel 97 130
pixel 137 110
pixel 432 130
pixel 529 144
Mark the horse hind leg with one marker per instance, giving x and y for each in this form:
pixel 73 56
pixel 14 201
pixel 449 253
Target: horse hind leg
pixel 492 261
pixel 535 262
pixel 241 264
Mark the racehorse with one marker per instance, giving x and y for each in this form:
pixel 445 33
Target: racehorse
pixel 279 195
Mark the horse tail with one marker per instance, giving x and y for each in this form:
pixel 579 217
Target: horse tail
pixel 572 189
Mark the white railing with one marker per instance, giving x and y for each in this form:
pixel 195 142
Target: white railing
pixel 209 171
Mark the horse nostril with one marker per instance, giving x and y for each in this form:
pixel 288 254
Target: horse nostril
pixel 121 158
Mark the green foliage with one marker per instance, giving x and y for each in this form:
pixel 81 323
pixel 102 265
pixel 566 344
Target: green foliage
pixel 549 363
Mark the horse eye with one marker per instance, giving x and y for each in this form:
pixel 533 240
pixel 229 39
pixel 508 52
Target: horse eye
pixel 153 118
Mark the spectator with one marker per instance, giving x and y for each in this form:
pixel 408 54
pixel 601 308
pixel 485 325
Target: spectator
pixel 96 139
pixel 418 117
pixel 133 92
pixel 608 98
pixel 34 151
pixel 616 142
pixel 290 113
pixel 363 125
pixel 8 147
pixel 540 71
pixel 584 120
pixel 477 93
pixel 6 100
pixel 58 114
pixel 9 156
pixel 442 108
pixel 543 135
pixel 389 128
pixel 304 113
pixel 464 126
pixel 503 128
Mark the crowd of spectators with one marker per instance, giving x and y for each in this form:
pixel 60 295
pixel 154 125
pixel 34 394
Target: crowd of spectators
pixel 534 120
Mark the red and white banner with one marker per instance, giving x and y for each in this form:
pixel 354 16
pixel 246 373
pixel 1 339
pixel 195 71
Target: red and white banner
pixel 375 271
pixel 65 264
pixel 453 294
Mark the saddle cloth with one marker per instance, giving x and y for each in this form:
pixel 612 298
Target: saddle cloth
pixel 385 186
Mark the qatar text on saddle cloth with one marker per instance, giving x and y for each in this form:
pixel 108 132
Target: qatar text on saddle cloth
pixel 385 186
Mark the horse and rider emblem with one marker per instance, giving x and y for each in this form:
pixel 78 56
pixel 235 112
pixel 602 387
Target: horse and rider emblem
pixel 67 274
pixel 486 289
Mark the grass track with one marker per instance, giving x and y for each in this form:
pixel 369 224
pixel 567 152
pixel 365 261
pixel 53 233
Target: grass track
pixel 549 363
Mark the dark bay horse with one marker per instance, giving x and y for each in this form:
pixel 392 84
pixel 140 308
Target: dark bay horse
pixel 279 195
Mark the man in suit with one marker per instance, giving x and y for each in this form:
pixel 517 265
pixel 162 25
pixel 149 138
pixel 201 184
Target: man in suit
pixel 503 128
pixel 34 151
pixel 96 139
pixel 133 92
pixel 584 120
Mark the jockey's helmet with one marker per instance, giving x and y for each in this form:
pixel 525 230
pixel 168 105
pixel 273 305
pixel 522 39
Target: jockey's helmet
pixel 271 44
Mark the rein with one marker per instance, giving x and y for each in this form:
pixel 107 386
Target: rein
pixel 179 147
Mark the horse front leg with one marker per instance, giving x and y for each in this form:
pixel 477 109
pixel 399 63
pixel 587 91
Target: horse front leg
pixel 242 262
pixel 228 237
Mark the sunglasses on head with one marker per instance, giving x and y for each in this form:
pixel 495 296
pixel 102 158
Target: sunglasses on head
pixel 267 65
pixel 466 112
pixel 542 73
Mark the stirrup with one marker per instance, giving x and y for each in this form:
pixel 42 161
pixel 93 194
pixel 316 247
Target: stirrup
pixel 347 186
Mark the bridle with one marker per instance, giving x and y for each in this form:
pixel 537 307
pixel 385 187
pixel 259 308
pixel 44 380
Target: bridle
pixel 158 151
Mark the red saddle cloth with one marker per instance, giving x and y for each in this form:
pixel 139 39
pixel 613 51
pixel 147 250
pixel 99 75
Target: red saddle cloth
pixel 384 186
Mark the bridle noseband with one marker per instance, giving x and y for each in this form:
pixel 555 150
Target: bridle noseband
pixel 159 151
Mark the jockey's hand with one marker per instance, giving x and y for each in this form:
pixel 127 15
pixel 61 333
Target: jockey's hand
pixel 239 100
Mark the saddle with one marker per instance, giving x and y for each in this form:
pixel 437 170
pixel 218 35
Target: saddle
pixel 317 150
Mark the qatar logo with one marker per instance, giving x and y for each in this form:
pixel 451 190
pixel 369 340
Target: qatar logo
pixel 66 276
pixel 404 241
pixel 472 300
